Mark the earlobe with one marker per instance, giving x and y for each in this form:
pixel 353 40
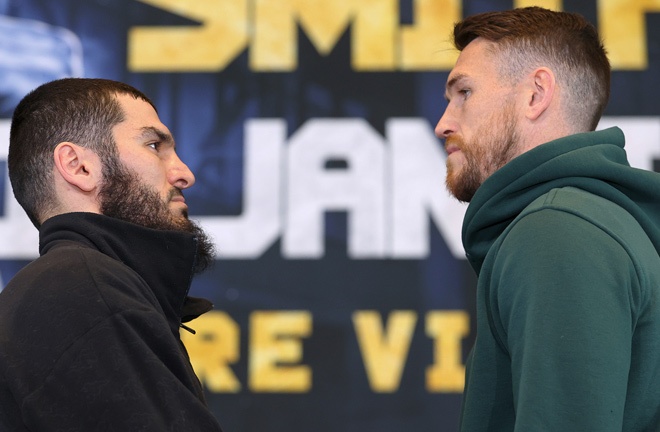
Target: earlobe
pixel 542 83
pixel 76 165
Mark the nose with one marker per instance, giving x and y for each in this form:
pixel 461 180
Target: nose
pixel 446 125
pixel 179 175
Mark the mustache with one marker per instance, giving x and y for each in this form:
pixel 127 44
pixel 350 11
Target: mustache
pixel 174 192
pixel 454 141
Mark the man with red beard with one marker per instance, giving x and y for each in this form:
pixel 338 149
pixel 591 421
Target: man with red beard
pixel 89 331
pixel 563 234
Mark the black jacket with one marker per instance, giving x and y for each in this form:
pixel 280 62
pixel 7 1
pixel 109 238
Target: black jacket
pixel 89 332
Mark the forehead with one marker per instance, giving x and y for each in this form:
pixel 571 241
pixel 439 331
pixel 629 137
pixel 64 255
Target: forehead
pixel 138 115
pixel 477 61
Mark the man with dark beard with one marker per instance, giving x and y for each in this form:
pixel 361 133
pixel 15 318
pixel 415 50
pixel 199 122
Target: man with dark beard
pixel 89 331
pixel 563 234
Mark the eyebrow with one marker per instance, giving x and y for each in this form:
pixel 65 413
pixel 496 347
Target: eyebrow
pixel 452 83
pixel 163 136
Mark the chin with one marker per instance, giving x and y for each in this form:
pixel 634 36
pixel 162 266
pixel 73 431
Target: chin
pixel 179 212
pixel 180 217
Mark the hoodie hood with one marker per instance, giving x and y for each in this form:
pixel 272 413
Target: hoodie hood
pixel 595 162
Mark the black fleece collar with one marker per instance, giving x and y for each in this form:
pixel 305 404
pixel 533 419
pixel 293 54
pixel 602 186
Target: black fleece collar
pixel 164 259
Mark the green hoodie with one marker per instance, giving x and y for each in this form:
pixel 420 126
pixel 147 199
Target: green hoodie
pixel 565 241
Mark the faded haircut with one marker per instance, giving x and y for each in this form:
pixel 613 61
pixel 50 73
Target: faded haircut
pixel 567 43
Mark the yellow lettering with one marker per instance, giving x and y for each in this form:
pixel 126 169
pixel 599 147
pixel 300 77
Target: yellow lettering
pixel 426 44
pixel 378 43
pixel 211 46
pixel 212 349
pixel 274 349
pixel 447 374
pixel 384 351
pixel 548 4
pixel 623 29
pixel 373 29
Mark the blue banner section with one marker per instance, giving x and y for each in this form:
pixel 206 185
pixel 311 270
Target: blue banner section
pixel 342 299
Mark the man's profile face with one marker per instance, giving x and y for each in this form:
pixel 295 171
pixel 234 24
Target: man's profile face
pixel 146 147
pixel 143 184
pixel 479 125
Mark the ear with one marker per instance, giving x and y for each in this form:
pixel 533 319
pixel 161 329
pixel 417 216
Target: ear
pixel 77 165
pixel 542 87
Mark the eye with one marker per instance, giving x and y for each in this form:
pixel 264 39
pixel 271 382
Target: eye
pixel 154 145
pixel 466 92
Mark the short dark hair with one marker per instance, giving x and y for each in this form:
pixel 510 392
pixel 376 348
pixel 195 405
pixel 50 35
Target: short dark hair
pixel 566 42
pixel 78 110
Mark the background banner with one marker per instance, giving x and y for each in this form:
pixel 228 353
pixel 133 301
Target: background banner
pixel 342 298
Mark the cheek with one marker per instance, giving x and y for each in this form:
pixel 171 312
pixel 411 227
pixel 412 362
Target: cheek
pixel 150 174
pixel 469 122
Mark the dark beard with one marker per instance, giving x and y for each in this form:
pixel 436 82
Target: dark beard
pixel 123 197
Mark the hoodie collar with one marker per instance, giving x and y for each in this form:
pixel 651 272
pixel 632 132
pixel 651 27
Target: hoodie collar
pixel 595 162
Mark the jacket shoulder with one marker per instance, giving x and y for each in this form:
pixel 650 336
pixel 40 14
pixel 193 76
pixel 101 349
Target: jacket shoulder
pixel 67 291
pixel 74 274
